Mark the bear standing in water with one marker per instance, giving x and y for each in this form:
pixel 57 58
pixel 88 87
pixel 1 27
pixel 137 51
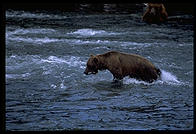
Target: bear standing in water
pixel 122 64
pixel 155 13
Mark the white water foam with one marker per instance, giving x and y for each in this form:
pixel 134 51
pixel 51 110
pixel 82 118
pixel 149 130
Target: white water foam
pixel 53 59
pixel 165 78
pixel 34 40
pixel 168 77
pixel 25 14
pixel 71 61
pixel 53 86
pixel 102 43
pixel 128 80
pixel 30 31
pixel 62 86
pixel 76 62
pixel 18 35
pixel 17 76
pixel 91 32
pixel 15 36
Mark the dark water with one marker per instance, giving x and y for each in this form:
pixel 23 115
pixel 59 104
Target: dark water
pixel 46 89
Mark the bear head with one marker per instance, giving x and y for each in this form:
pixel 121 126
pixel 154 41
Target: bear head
pixel 92 65
pixel 155 13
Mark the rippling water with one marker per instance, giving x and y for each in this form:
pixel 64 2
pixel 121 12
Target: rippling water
pixel 46 89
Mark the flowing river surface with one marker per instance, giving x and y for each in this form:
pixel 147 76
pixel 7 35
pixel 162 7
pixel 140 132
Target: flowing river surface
pixel 46 89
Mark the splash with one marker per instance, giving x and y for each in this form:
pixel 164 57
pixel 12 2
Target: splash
pixel 128 80
pixel 168 77
pixel 62 86
pixel 165 78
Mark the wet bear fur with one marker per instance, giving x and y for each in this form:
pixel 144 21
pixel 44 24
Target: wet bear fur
pixel 121 65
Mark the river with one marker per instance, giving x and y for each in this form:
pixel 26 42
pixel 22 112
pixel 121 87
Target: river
pixel 46 89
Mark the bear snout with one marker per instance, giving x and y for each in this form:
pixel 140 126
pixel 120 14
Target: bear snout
pixel 88 72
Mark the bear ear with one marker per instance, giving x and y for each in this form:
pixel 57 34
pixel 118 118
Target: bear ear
pixel 91 55
pixel 95 60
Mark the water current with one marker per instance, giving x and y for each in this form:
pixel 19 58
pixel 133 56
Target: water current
pixel 46 89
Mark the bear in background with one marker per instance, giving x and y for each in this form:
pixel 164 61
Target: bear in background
pixel 121 65
pixel 155 13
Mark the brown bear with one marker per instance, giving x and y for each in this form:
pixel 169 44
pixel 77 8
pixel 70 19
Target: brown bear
pixel 155 13
pixel 123 64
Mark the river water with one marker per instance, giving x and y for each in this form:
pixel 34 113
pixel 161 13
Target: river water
pixel 46 89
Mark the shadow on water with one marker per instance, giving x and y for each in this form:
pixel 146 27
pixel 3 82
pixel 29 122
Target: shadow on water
pixel 111 85
pixel 126 84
